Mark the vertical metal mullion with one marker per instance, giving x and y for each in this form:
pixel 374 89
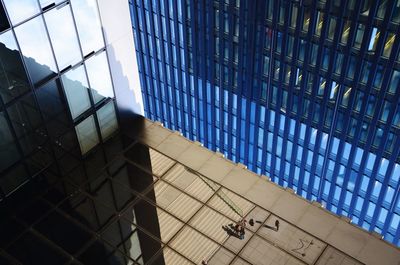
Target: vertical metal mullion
pixel 257 125
pixel 240 82
pixel 171 68
pixel 208 56
pixel 202 74
pixel 281 177
pixel 187 112
pixel 195 70
pixel 179 69
pixel 253 15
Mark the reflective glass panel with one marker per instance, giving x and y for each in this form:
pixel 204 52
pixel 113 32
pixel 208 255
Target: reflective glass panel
pixel 8 151
pixel 75 87
pixel 88 24
pixel 13 80
pixel 24 115
pixel 50 102
pixel 21 9
pixel 107 120
pixel 10 181
pixel 99 77
pixel 36 49
pixel 63 36
pixel 27 123
pixel 87 135
pixel 388 45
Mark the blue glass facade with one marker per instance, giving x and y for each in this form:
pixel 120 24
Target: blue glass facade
pixel 305 92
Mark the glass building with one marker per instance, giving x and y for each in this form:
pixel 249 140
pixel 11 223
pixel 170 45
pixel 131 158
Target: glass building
pixel 85 179
pixel 305 92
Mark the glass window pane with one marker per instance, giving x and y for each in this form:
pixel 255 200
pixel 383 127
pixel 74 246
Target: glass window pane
pixel 76 91
pixel 13 80
pixel 13 179
pixel 373 41
pixel 396 12
pixel 388 45
pixel 8 151
pixel 99 77
pixel 61 28
pixel 87 135
pixel 21 9
pixel 306 19
pixel 107 120
pixel 88 24
pixel 51 103
pixel 320 22
pixel 332 27
pixel 359 36
pixel 345 32
pixel 293 17
pixel 36 49
pixel 26 120
pixel 382 9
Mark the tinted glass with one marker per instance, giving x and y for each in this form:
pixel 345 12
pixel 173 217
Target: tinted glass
pixel 107 120
pixel 36 49
pixel 11 180
pixel 99 77
pixel 88 24
pixel 75 87
pixel 63 36
pixel 8 151
pixel 13 80
pixel 50 100
pixel 87 135
pixel 26 120
pixel 24 115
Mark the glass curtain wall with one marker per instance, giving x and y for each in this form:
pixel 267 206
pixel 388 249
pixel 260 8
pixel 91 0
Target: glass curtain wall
pixel 305 92
pixel 56 93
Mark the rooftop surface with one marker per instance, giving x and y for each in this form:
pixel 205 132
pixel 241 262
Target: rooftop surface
pixel 308 234
pixel 162 199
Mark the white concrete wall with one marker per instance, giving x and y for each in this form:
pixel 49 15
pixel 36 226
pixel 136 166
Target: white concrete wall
pixel 120 47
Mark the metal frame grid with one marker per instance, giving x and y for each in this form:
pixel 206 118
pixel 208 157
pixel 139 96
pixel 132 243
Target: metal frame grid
pixel 58 145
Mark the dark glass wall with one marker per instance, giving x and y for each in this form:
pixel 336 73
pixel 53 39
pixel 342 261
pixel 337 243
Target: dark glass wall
pixel 56 95
pixel 305 92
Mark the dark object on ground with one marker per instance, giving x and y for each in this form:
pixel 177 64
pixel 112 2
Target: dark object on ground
pixel 277 225
pixel 203 262
pixel 276 228
pixel 251 222
pixel 231 232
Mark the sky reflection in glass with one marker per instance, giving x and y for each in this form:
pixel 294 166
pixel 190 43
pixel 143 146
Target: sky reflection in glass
pixel 36 49
pixel 63 36
pixel 19 10
pixel 99 77
pixel 75 87
pixel 88 24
